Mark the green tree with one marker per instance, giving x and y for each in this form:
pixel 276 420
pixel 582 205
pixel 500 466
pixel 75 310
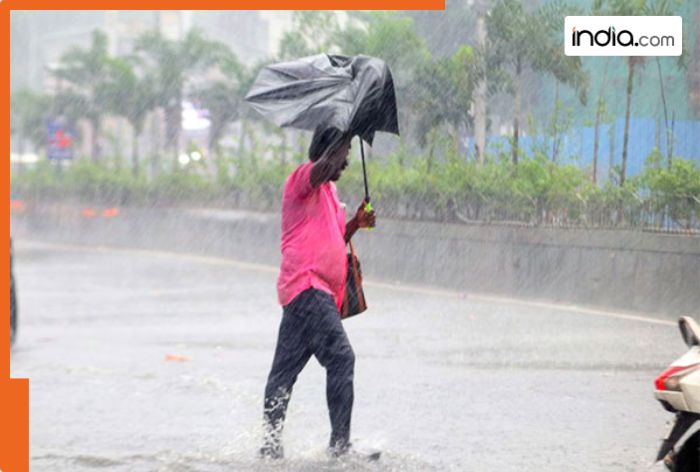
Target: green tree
pixel 28 115
pixel 600 115
pixel 667 8
pixel 393 37
pixel 224 99
pixel 172 64
pixel 312 32
pixel 246 113
pixel 693 73
pixel 632 8
pixel 444 94
pixel 673 190
pixel 86 71
pixel 131 96
pixel 390 36
pixel 518 39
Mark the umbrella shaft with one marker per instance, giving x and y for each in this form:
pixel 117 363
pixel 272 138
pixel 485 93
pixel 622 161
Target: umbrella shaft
pixel 364 170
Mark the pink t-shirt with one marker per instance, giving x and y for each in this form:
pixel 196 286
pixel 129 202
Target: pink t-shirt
pixel 313 238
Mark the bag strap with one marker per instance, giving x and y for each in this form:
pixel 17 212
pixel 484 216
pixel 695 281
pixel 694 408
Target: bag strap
pixel 354 259
pixel 358 282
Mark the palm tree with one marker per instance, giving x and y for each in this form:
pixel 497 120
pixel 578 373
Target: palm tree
pixel 131 96
pixel 599 114
pixel 247 114
pixel 86 71
pixel 632 8
pixel 693 73
pixel 664 8
pixel 172 64
pixel 223 99
pixel 521 40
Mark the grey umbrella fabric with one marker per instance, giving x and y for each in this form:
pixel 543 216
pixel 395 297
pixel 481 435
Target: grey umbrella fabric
pixel 352 93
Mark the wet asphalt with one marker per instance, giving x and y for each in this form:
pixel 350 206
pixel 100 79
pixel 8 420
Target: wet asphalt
pixel 143 361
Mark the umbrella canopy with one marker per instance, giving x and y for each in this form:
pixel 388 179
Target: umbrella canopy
pixel 354 94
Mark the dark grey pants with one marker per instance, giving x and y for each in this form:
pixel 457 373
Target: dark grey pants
pixel 310 326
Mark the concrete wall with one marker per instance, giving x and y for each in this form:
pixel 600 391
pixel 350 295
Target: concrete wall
pixel 628 270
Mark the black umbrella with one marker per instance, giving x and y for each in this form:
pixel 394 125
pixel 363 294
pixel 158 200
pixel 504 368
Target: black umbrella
pixel 354 94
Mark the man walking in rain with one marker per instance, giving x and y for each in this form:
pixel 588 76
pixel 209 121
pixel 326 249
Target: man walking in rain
pixel 310 289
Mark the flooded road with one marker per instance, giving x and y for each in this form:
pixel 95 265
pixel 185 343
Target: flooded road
pixel 143 361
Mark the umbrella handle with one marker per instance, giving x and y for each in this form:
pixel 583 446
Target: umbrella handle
pixel 364 170
pixel 368 209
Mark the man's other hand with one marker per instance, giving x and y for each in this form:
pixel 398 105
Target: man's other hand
pixel 365 219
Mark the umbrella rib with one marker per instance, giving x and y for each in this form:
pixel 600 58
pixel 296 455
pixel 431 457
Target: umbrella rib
pixel 279 92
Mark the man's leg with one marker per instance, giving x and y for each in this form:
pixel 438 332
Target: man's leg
pixel 332 349
pixel 291 355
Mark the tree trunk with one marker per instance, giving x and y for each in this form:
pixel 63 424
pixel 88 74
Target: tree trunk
pixel 555 124
pixel 693 73
pixel 625 139
pixel 670 140
pixel 431 150
pixel 516 115
pixel 215 132
pixel 213 138
pixel 169 129
pixel 598 116
pixel 657 134
pixel 94 140
pixel 178 126
pixel 241 140
pixel 135 150
pixel 663 100
pixel 596 141
pixel 455 139
pixel 173 121
pixel 480 99
pixel 156 149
